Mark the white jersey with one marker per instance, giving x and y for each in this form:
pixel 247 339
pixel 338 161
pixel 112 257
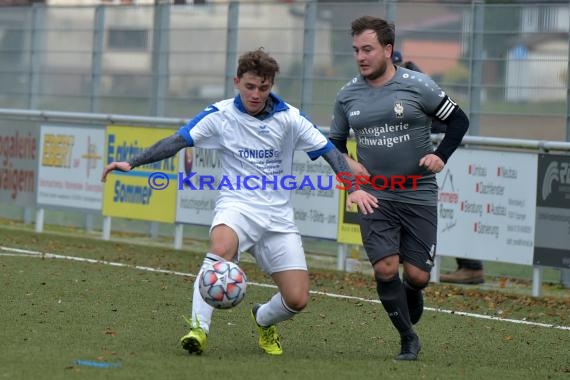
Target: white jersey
pixel 256 155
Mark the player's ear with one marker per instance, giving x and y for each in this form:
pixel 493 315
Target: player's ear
pixel 389 50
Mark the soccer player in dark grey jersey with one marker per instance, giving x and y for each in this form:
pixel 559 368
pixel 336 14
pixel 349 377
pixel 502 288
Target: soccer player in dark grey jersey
pixel 390 111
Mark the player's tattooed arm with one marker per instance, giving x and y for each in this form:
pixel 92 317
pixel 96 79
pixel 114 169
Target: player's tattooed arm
pixel 366 202
pixel 338 163
pixel 162 149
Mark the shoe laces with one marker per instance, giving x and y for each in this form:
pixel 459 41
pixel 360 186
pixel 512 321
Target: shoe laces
pixel 269 335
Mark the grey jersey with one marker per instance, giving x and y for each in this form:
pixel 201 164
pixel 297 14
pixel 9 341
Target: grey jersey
pixel 392 124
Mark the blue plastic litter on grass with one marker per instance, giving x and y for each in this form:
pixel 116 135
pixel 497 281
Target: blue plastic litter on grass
pixel 93 363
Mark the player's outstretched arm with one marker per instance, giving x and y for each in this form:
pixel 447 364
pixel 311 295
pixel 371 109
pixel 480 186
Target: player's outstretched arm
pixel 122 166
pixel 165 148
pixel 356 167
pixel 338 162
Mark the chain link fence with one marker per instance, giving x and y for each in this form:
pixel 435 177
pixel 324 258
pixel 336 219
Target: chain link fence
pixel 506 65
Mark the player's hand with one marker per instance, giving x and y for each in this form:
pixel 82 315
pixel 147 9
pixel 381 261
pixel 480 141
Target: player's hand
pixel 121 166
pixel 356 167
pixel 432 163
pixel 365 202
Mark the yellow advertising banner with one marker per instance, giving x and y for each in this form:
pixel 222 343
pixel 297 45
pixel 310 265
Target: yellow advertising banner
pixel 147 192
pixel 348 227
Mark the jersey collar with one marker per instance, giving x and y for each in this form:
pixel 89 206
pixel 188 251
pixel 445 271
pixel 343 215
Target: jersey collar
pixel 274 104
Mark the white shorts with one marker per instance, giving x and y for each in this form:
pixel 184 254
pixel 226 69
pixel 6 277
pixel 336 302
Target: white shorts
pixel 273 251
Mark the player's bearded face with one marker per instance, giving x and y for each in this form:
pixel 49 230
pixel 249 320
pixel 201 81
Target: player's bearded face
pixel 375 70
pixel 253 91
pixel 370 55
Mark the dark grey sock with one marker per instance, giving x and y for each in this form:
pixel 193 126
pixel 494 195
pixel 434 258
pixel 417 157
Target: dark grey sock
pixel 393 297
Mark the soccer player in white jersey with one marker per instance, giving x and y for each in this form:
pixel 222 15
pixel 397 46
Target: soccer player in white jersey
pixel 255 134
pixel 390 110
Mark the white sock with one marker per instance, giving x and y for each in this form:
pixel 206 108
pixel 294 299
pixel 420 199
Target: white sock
pixel 274 311
pixel 201 311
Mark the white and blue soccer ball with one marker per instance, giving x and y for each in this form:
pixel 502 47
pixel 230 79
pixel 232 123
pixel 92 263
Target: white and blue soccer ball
pixel 222 284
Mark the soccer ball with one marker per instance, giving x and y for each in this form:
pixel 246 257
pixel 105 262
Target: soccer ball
pixel 222 284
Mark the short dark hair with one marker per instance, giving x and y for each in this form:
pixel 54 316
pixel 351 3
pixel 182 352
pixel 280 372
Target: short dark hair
pixel 385 31
pixel 259 63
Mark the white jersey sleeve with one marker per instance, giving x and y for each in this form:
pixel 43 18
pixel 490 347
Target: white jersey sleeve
pixel 308 137
pixel 203 129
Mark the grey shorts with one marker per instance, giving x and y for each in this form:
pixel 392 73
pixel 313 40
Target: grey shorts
pixel 409 230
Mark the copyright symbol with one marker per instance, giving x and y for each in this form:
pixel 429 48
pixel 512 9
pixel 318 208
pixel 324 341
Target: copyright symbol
pixel 158 181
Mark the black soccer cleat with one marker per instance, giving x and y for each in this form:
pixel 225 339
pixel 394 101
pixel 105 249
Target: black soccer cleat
pixel 411 347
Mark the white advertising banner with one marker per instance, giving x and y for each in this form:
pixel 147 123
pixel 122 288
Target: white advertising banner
pixel 486 206
pixel 196 206
pixel 315 210
pixel 70 166
pixel 18 162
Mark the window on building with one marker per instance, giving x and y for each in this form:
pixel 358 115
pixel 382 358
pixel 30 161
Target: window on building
pixel 127 39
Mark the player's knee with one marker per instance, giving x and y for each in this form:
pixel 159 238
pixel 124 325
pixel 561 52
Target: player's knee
pixel 418 281
pixel 225 251
pixel 384 275
pixel 296 302
pixel 386 268
pixel 298 307
pixel 416 276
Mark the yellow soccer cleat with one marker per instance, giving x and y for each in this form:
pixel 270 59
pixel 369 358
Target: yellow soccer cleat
pixel 268 336
pixel 195 341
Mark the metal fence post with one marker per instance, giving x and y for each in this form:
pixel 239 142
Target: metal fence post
pixel 341 254
pixel 476 69
pixel 96 58
pixel 568 92
pixel 391 10
pixel 308 56
pixel 36 42
pixel 38 18
pixel 160 74
pixel 565 277
pixel 178 235
pixel 160 58
pixel 231 48
pixel 537 276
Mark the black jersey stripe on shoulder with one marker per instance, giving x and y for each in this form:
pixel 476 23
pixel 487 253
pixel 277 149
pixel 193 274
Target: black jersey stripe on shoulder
pixel 446 108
